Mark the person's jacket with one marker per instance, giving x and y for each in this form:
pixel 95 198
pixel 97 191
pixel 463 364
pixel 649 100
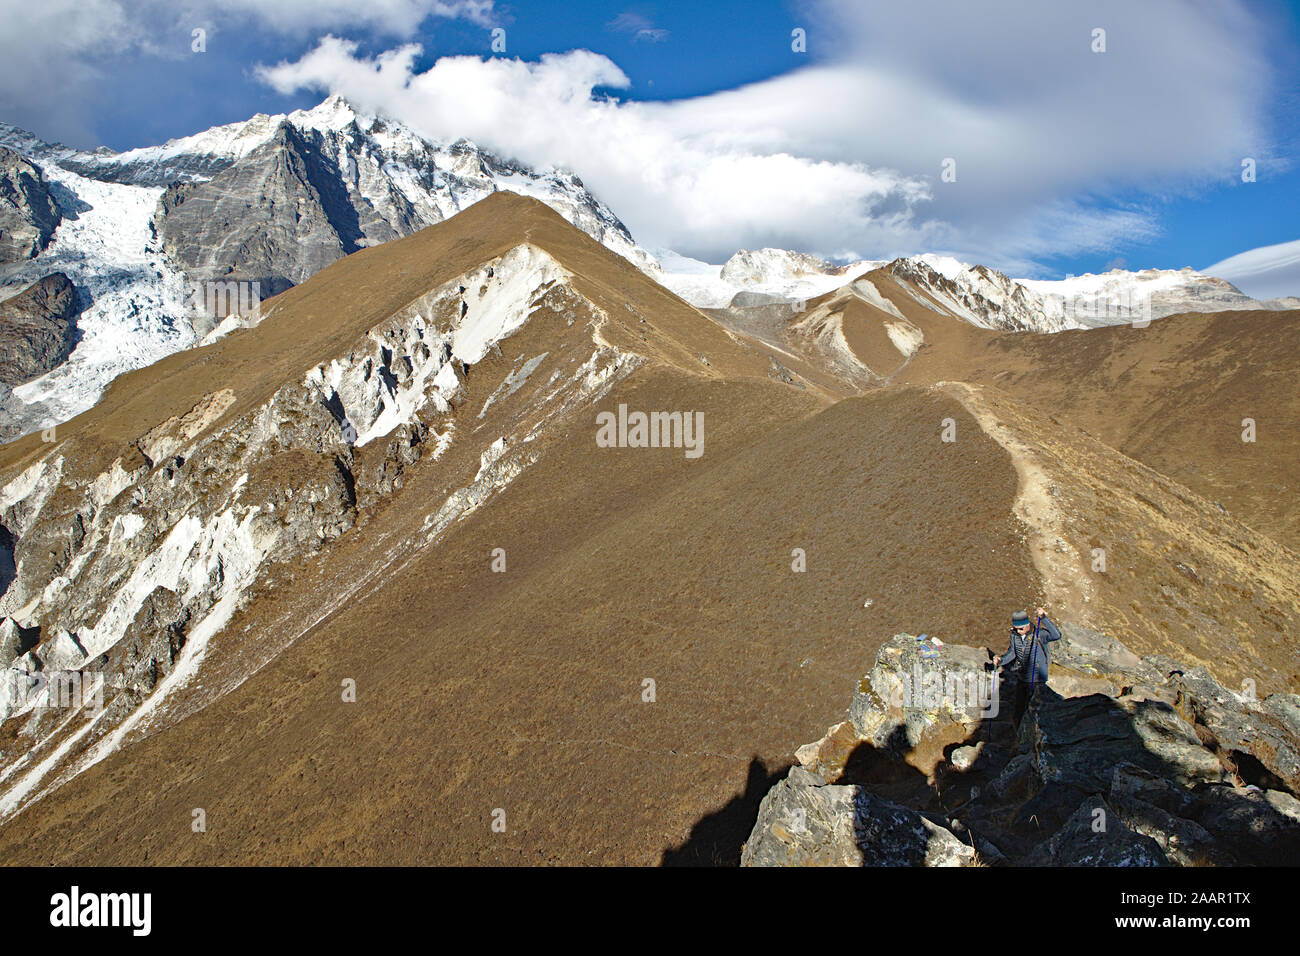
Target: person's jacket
pixel 1030 652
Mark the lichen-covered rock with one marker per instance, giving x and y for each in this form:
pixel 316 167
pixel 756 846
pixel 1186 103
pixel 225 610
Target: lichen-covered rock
pixel 827 757
pixel 921 692
pixel 1152 774
pixel 1234 724
pixel 803 821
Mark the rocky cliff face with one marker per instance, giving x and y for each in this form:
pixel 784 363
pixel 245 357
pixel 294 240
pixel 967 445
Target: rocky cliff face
pixel 37 329
pixel 983 297
pixel 326 182
pixel 29 214
pixel 276 217
pixel 1120 761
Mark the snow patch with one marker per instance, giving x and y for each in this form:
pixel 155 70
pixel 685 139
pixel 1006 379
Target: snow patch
pixel 497 305
pixel 867 291
pixel 907 338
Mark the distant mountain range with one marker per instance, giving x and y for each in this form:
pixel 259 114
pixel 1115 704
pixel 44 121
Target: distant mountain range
pixel 1117 297
pixel 168 245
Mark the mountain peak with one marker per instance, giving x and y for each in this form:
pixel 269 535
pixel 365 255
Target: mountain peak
pixel 334 113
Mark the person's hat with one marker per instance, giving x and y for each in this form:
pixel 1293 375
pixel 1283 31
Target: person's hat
pixel 1019 619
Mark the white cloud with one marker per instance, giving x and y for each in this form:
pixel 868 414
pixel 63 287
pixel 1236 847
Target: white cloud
pixel 842 157
pixel 56 54
pixel 42 45
pixel 1269 272
pixel 641 28
pixel 391 17
pixel 697 190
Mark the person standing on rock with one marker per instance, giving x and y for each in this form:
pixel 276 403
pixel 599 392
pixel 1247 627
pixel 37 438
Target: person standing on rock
pixel 1028 651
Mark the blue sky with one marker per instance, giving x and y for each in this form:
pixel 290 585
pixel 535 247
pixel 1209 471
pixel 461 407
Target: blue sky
pixel 1069 160
pixel 719 46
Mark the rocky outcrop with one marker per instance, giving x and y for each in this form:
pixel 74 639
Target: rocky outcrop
pixel 1159 767
pixel 805 822
pixel 1252 737
pixel 277 216
pixel 15 640
pixel 29 214
pixel 37 329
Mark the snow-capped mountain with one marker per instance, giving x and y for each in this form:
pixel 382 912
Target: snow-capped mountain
pixel 1118 297
pixel 770 272
pixel 141 228
pixel 981 296
pixel 974 293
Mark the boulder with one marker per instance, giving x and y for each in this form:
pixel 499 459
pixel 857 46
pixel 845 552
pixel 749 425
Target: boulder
pixel 921 693
pixel 803 821
pixel 1259 827
pixel 1095 835
pixel 1183 842
pixel 1092 653
pixel 827 757
pixel 1079 741
pixel 963 758
pixel 1234 724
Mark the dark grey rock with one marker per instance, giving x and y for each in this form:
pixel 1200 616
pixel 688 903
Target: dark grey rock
pixel 29 214
pixel 1183 842
pixel 37 329
pixel 1095 835
pixel 1079 741
pixel 1259 827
